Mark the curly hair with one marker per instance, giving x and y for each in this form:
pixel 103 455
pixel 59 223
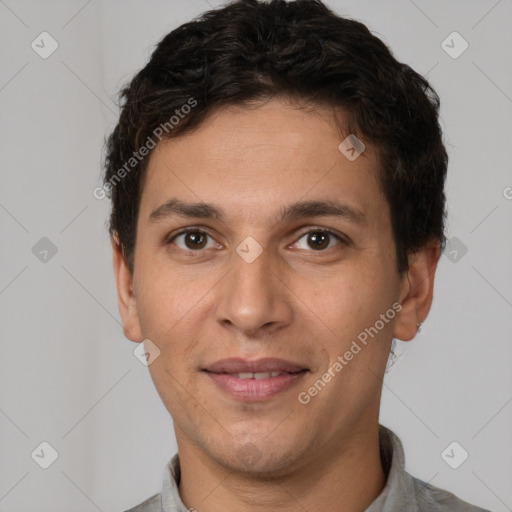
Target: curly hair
pixel 251 50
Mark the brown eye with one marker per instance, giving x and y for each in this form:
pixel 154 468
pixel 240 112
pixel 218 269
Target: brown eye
pixel 318 240
pixel 193 240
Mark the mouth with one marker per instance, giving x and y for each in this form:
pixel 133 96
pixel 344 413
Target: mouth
pixel 255 380
pixel 256 375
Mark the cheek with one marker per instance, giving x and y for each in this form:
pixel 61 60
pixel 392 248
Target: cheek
pixel 348 297
pixel 358 341
pixel 165 297
pixel 347 308
pixel 171 322
pixel 171 306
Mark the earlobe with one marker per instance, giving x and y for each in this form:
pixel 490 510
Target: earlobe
pixel 417 291
pixel 125 296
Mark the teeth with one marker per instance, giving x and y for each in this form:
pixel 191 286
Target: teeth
pixel 245 375
pixel 262 375
pixel 259 375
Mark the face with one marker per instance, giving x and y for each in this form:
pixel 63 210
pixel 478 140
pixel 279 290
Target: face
pixel 289 256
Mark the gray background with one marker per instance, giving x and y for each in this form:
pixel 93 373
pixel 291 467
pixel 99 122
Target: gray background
pixel 67 374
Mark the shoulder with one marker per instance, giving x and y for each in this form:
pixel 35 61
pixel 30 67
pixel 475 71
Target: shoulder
pixel 150 505
pixel 434 499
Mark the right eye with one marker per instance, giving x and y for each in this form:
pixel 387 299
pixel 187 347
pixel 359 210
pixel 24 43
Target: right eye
pixel 193 240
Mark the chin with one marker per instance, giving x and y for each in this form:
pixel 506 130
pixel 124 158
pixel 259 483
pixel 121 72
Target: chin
pixel 258 460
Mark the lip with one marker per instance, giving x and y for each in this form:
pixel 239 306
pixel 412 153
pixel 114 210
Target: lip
pixel 224 374
pixel 266 364
pixel 255 390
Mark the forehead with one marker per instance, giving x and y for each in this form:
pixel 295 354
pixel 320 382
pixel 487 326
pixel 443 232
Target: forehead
pixel 256 159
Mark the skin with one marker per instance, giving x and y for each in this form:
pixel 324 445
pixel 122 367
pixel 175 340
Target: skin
pixel 294 302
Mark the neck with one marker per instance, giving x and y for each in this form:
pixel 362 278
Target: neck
pixel 350 474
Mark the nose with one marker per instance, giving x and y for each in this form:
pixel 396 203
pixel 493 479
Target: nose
pixel 253 299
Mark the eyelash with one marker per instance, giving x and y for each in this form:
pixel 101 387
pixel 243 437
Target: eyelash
pixel 339 238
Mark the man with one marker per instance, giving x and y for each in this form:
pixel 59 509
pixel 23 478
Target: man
pixel 277 217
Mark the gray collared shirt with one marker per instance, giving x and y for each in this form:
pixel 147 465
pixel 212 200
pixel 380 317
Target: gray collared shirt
pixel 402 492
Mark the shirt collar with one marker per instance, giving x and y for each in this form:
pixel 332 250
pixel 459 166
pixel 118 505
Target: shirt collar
pixel 398 494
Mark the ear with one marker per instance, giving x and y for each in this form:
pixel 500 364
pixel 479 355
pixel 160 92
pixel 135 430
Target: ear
pixel 125 297
pixel 417 290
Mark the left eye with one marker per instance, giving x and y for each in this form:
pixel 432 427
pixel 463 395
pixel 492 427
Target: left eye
pixel 318 240
pixel 193 240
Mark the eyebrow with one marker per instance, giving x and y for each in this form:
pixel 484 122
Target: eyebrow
pixel 295 211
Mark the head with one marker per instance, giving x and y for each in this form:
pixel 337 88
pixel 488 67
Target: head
pixel 233 129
